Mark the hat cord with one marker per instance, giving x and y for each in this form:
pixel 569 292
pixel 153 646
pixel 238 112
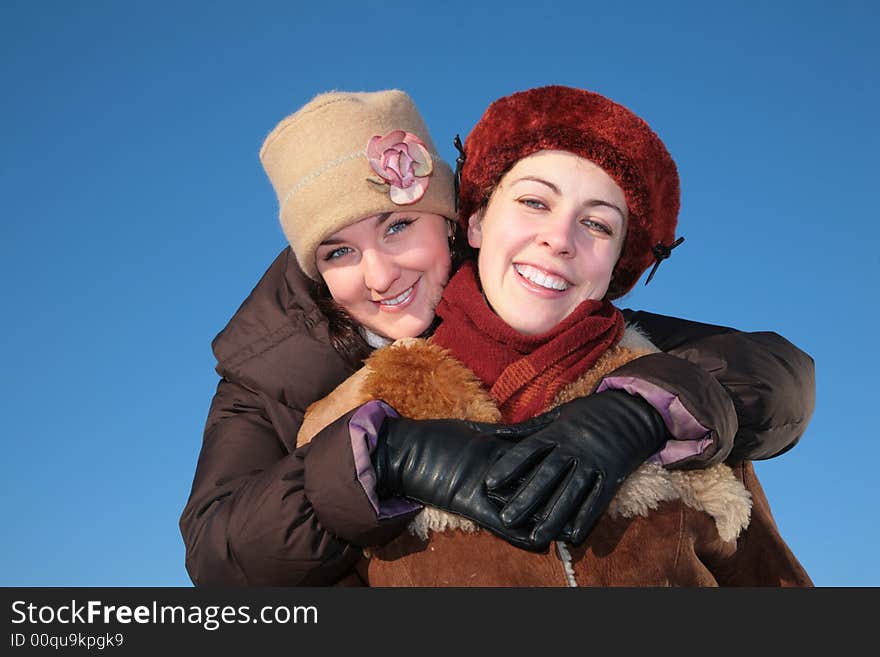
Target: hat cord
pixel 459 163
pixel 661 252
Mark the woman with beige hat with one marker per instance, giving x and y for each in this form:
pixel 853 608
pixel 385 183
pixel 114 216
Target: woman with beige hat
pixel 362 192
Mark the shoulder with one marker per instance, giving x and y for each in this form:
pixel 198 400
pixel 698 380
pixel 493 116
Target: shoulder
pixel 277 336
pixel 668 332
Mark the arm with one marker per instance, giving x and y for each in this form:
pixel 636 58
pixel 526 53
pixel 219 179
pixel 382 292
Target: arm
pixel 252 517
pixel 719 394
pixel 769 381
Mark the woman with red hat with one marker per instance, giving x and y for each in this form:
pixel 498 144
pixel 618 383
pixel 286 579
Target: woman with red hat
pixel 568 198
pixel 357 173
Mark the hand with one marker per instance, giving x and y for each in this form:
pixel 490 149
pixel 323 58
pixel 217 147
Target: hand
pixel 572 467
pixel 444 463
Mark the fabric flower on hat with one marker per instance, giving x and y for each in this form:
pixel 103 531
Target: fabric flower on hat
pixel 402 161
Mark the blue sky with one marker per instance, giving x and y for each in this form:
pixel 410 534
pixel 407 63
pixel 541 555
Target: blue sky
pixel 136 217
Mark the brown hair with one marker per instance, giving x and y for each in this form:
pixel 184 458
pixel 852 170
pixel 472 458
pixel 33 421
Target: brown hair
pixel 345 337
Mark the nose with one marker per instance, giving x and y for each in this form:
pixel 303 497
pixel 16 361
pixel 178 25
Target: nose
pixel 380 270
pixel 557 234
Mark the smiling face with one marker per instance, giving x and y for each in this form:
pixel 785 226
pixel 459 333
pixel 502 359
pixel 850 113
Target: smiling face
pixel 549 239
pixel 388 271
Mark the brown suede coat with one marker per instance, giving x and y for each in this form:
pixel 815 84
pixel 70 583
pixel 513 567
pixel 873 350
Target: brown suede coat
pixel 664 528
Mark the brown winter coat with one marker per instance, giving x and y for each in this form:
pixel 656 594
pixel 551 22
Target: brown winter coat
pixel 664 528
pixel 262 512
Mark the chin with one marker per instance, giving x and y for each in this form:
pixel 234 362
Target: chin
pixel 409 329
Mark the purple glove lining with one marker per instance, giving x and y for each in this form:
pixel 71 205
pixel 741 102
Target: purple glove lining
pixel 364 429
pixel 690 438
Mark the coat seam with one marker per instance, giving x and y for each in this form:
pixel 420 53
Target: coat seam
pixel 249 351
pixel 681 524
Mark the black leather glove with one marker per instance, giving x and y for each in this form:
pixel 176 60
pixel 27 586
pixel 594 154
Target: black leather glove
pixel 577 460
pixel 443 463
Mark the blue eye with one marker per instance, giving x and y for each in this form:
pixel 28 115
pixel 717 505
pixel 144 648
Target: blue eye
pixel 596 225
pixel 399 226
pixel 337 253
pixel 533 203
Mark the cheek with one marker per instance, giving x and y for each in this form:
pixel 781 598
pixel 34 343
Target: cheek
pixel 436 267
pixel 599 267
pixel 428 254
pixel 502 246
pixel 345 285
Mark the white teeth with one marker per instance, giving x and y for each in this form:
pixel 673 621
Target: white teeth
pixel 538 277
pixel 399 299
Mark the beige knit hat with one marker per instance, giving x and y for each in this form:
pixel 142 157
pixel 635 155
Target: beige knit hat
pixel 346 156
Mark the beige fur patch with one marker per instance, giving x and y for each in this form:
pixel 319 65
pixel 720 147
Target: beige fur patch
pixel 714 490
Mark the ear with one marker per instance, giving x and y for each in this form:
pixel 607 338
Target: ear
pixel 475 229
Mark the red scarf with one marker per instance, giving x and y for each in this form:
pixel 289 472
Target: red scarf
pixel 524 372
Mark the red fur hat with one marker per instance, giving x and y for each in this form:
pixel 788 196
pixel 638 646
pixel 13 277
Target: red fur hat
pixel 593 127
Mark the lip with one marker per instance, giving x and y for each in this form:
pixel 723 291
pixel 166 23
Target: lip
pixel 534 288
pixel 414 290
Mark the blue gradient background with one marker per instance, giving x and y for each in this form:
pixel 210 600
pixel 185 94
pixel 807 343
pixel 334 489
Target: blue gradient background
pixel 136 217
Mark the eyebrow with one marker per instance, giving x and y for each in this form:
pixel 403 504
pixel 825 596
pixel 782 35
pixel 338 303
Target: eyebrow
pixel 597 203
pixel 590 204
pixel 538 180
pixel 380 218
